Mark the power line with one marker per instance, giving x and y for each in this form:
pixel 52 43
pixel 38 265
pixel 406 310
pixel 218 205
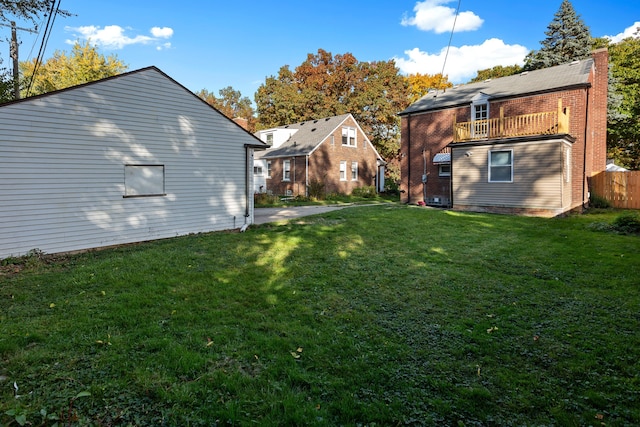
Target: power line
pixel 455 18
pixel 45 40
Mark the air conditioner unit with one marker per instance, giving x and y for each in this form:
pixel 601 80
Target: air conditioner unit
pixel 289 193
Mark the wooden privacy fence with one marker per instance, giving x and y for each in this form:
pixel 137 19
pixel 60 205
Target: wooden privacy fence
pixel 621 189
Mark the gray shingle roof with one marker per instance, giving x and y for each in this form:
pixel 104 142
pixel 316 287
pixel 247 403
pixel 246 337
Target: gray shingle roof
pixel 309 135
pixel 548 79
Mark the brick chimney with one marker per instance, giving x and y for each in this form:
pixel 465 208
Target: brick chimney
pixel 242 122
pixel 598 111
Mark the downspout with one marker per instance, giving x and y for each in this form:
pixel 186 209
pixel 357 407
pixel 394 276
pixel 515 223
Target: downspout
pixel 247 183
pixel 584 153
pixel 424 176
pixel 408 158
pixel 451 179
pixel 306 178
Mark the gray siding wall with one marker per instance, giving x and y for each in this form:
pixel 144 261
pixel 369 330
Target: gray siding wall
pixel 63 156
pixel 539 179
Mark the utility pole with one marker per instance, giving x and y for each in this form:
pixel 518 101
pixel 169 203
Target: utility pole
pixel 13 52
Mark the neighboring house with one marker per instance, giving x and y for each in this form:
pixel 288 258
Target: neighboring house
pixel 524 144
pixel 333 151
pixel 125 159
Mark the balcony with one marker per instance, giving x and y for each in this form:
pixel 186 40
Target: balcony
pixel 544 123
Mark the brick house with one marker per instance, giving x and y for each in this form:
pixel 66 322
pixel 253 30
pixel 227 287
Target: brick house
pixel 524 144
pixel 333 151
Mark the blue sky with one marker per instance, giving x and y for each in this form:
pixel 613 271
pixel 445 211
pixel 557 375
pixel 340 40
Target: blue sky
pixel 214 44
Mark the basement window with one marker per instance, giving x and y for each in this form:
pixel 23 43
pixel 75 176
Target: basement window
pixel 143 180
pixel 444 170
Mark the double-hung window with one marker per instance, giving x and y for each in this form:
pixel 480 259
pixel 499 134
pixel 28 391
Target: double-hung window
pixel 286 170
pixel 501 166
pixel 343 170
pixel 354 171
pixel 269 169
pixel 349 136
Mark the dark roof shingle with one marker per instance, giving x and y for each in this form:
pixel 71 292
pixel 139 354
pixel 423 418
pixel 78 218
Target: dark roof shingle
pixel 548 79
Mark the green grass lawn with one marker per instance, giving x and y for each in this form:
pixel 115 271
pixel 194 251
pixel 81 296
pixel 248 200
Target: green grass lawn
pixel 379 315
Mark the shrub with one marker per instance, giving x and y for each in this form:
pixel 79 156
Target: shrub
pixel 598 202
pixel 316 189
pixel 367 192
pixel 392 187
pixel 264 199
pixel 627 223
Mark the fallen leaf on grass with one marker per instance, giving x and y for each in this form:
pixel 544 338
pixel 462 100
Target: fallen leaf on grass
pixel 492 329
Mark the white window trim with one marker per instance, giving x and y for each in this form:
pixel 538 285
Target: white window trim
pixel 343 170
pixel 354 169
pixel 286 168
pixel 349 130
pixel 489 165
pixel 479 100
pixel 269 169
pixel 441 173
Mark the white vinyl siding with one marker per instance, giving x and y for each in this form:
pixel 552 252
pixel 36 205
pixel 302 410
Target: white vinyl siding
pixel 63 155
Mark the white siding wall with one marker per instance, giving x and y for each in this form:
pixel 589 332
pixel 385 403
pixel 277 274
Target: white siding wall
pixel 62 160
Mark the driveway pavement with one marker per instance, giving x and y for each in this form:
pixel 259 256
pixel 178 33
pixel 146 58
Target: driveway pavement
pixel 264 215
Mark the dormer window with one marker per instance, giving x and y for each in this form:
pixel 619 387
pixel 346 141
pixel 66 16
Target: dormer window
pixel 269 139
pixel 480 115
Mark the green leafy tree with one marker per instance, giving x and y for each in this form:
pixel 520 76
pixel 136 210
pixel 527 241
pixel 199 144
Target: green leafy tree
pixel 27 9
pixel 496 72
pixel 84 64
pixel 623 129
pixel 568 39
pixel 232 104
pixel 326 85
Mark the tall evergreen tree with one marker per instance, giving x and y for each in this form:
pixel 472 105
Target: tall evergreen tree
pixel 568 39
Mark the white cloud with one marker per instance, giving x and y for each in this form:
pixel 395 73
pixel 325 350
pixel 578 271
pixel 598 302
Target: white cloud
pixel 432 15
pixel 162 33
pixel 462 62
pixel 114 37
pixel 632 31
